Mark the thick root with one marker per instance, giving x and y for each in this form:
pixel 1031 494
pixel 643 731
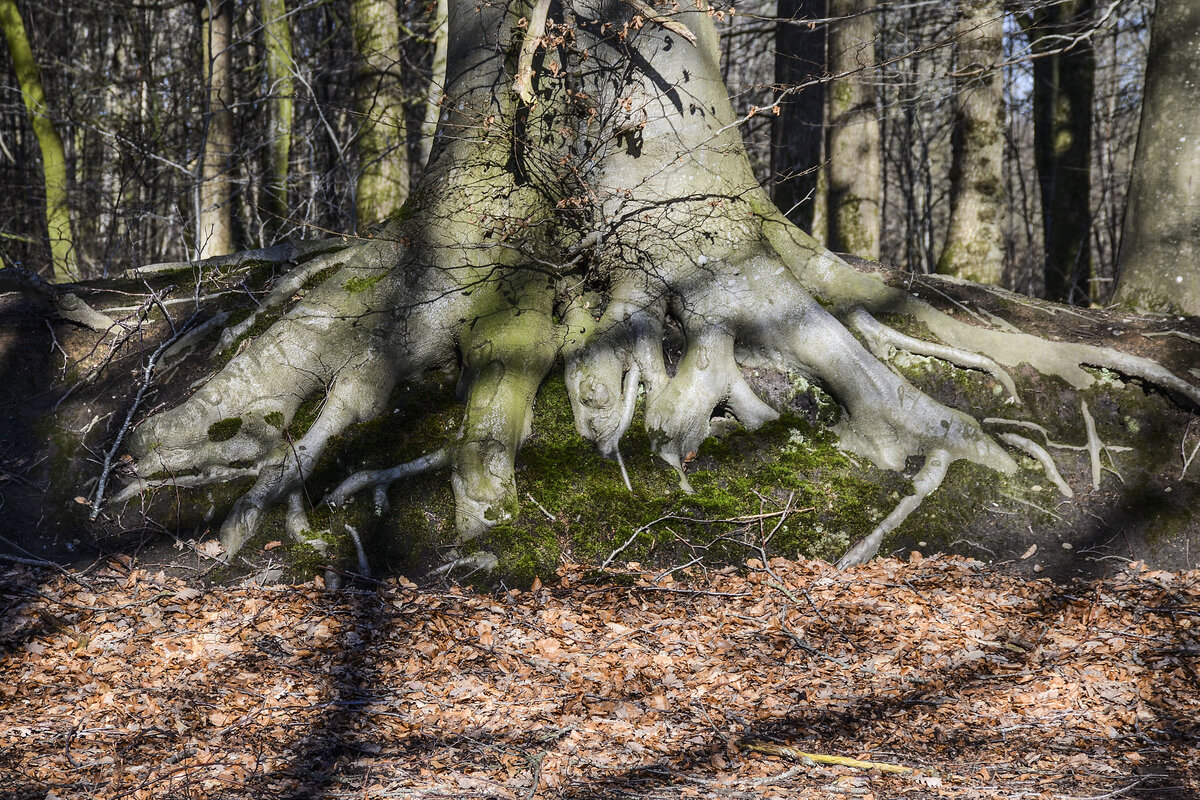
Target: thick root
pixel 929 478
pixel 881 337
pixel 1044 458
pixel 507 352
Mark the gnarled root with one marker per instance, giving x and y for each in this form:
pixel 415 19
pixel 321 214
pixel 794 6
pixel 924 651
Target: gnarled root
pixel 380 480
pixel 507 351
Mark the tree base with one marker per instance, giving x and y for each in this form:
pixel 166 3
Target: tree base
pixel 786 487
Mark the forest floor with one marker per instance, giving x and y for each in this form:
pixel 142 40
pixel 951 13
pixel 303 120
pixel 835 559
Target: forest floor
pixel 118 682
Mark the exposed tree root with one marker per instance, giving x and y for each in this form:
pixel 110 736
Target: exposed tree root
pixel 929 478
pixel 380 480
pixel 880 337
pixel 1044 458
pixel 575 222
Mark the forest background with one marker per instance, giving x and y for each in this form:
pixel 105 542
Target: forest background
pixel 151 118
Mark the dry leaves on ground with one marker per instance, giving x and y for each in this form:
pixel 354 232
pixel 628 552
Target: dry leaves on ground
pixel 125 684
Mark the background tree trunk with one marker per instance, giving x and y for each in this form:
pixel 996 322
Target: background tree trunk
pixel 382 184
pixel 798 132
pixel 1064 82
pixel 54 158
pixel 1160 247
pixel 855 162
pixel 214 233
pixel 974 247
pixel 439 34
pixel 277 34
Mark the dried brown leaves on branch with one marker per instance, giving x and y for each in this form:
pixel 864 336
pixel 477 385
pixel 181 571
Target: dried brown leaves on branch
pixel 129 684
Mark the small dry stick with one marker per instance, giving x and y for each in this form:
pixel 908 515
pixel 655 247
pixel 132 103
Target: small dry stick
pixel 523 85
pixel 771 749
pixel 658 19
pixel 1187 460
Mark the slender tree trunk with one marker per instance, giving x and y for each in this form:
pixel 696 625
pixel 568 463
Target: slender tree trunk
pixel 1160 246
pixel 281 65
pixel 382 184
pixel 798 131
pixel 855 160
pixel 54 158
pixel 214 235
pixel 1063 84
pixel 439 33
pixel 974 247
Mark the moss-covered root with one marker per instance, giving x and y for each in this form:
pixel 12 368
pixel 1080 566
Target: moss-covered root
pixel 239 415
pixel 359 393
pixel 508 347
pixel 610 359
pixel 928 479
pixel 283 291
pixel 880 337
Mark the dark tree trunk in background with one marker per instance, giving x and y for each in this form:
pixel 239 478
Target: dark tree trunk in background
pixel 1159 267
pixel 1064 81
pixel 798 132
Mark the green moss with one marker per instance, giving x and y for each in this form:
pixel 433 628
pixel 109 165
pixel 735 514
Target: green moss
pixel 736 479
pixel 357 284
pixel 525 552
pixel 225 429
pixel 305 415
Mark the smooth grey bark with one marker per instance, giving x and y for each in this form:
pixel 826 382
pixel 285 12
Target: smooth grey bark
pixel 573 230
pixel 855 171
pixel 214 229
pixel 1159 265
pixel 974 248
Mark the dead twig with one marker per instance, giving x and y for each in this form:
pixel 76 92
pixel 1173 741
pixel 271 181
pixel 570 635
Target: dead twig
pixel 770 749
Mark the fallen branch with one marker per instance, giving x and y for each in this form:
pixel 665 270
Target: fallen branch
pixel 770 749
pixel 523 84
pixel 110 456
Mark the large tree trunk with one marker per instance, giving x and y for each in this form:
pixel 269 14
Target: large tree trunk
pixel 974 247
pixel 214 234
pixel 855 159
pixel 1159 266
pixel 612 225
pixel 379 99
pixel 798 131
pixel 54 158
pixel 1063 82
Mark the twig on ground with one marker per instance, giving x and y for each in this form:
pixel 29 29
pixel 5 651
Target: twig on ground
pixel 771 749
pixel 147 375
pixel 541 507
